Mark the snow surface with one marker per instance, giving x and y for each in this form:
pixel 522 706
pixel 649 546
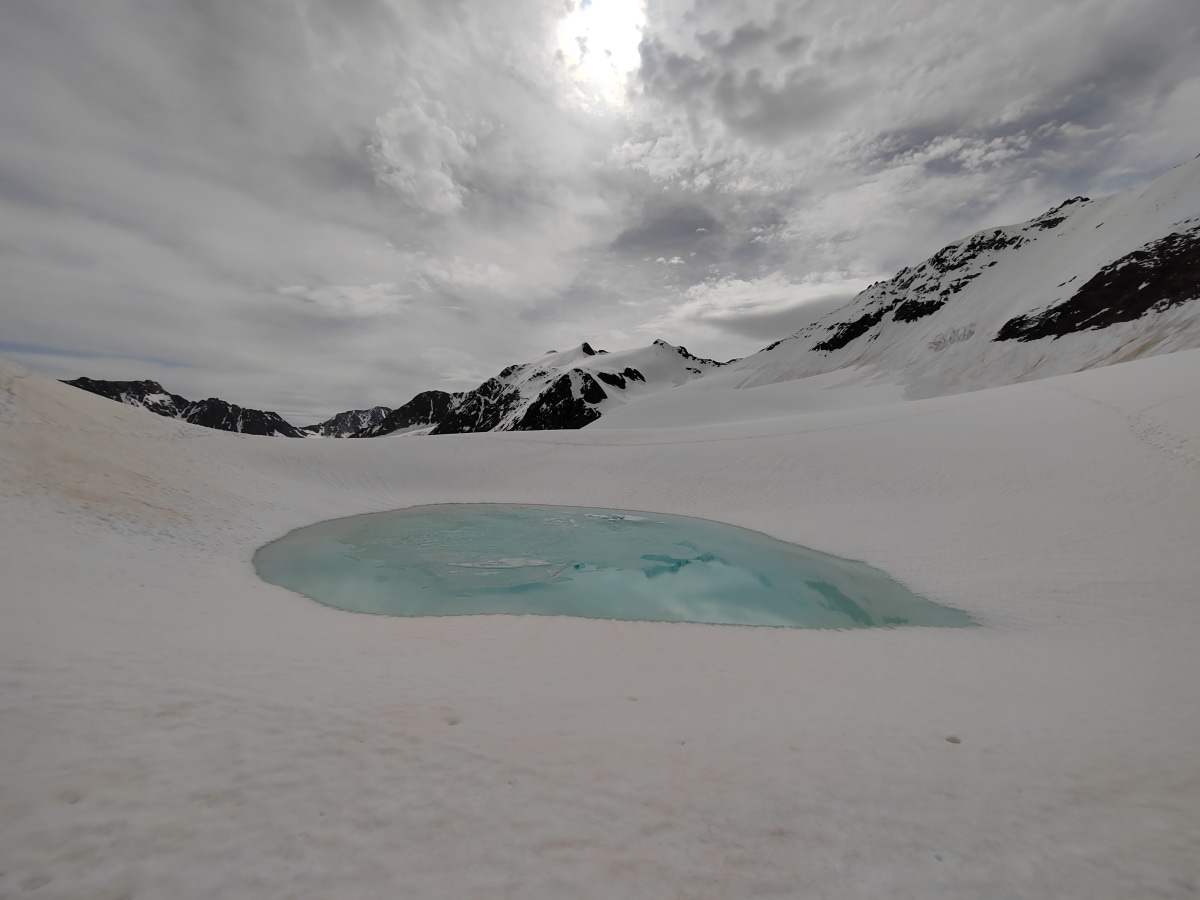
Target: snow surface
pixel 174 727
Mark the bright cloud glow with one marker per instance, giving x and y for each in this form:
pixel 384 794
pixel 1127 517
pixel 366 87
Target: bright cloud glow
pixel 599 41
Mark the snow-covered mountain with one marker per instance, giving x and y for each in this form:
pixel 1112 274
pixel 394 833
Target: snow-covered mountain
pixel 1089 283
pixel 569 389
pixel 211 413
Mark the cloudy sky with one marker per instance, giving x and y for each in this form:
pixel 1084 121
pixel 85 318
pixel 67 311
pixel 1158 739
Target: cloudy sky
pixel 313 205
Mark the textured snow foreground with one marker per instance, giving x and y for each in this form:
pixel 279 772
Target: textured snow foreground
pixel 174 727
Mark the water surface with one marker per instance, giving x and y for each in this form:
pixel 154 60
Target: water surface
pixel 466 559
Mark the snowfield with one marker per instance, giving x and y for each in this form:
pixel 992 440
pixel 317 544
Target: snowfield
pixel 173 727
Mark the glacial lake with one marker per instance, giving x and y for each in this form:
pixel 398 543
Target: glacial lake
pixel 474 559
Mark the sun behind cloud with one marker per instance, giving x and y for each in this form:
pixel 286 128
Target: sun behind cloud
pixel 598 40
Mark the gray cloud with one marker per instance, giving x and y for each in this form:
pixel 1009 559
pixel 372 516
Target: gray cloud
pixel 668 228
pixel 311 205
pixel 745 39
pixel 1081 101
pixel 803 102
pixel 771 325
pixel 791 47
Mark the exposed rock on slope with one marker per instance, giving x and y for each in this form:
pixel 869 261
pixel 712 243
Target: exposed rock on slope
pixel 211 413
pixel 425 409
pixel 147 394
pixel 1162 274
pixel 348 424
pixel 224 416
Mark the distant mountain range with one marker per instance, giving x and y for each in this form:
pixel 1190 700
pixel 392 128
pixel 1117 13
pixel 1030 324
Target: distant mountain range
pixel 1088 283
pixel 556 390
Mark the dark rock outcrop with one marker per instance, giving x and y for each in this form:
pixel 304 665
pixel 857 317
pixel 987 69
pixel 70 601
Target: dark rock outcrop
pixel 1162 274
pixel 147 394
pixel 845 332
pixel 620 380
pixel 224 416
pixel 1054 217
pixel 211 413
pixel 427 408
pixel 482 409
pixel 558 407
pixel 589 389
pixel 912 310
pixel 350 423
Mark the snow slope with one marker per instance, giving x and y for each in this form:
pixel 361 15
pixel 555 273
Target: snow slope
pixel 934 328
pixel 174 727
